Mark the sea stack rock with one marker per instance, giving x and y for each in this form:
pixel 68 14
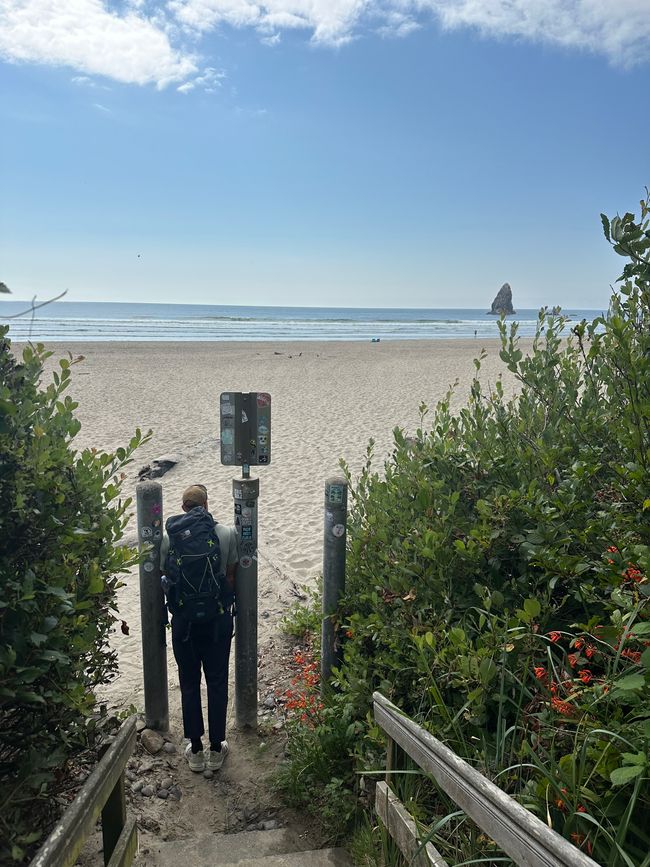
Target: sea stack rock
pixel 503 302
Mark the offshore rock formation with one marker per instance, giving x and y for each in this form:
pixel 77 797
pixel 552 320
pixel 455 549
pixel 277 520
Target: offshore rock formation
pixel 503 302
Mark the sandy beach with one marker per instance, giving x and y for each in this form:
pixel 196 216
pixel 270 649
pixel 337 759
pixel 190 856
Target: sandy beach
pixel 328 400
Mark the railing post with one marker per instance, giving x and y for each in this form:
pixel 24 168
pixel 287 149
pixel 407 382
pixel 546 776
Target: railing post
pixel 113 818
pixel 153 616
pixel 336 507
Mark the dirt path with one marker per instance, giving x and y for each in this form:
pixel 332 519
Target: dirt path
pixel 239 797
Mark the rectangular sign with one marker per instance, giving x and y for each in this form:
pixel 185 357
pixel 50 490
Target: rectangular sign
pixel 245 428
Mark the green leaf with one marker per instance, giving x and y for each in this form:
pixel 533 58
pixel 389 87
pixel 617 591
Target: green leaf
pixel 96 584
pixel 605 223
pixel 623 775
pixel 487 670
pixel 630 683
pixel 532 607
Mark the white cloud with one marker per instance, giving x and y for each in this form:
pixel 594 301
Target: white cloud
pixel 209 81
pixel 330 21
pixel 273 40
pixel 145 42
pixel 87 36
pixel 619 29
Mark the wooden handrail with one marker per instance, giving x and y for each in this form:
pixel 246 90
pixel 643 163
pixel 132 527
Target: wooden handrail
pixel 524 837
pixel 103 792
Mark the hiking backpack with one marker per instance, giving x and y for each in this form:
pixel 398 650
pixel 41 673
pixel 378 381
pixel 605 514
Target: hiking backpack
pixel 193 567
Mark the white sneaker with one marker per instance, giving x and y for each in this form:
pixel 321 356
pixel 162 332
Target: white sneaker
pixel 214 760
pixel 196 761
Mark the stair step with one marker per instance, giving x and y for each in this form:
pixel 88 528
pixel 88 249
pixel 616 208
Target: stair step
pixel 244 848
pixel 311 858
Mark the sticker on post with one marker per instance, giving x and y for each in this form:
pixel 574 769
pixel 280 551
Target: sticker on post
pixel 246 533
pixel 146 532
pixel 335 494
pixel 246 562
pixel 148 567
pixel 338 530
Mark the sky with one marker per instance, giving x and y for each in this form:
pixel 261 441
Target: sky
pixel 363 153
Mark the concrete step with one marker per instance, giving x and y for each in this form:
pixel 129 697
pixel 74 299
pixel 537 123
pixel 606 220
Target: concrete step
pixel 244 848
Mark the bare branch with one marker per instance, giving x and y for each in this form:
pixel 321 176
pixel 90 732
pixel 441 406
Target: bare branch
pixel 36 306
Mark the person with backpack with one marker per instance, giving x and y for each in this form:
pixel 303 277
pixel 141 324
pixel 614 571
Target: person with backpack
pixel 198 561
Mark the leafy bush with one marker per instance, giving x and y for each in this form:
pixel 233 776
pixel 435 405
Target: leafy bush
pixel 60 520
pixel 497 583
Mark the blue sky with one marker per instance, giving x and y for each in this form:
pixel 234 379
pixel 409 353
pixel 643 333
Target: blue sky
pixel 385 153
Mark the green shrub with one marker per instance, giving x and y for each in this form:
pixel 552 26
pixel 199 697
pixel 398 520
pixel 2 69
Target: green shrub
pixel 60 519
pixel 493 529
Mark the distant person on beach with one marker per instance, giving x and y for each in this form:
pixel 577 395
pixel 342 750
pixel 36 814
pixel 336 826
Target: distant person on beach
pixel 198 561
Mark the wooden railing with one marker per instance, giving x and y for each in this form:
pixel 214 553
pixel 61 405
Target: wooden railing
pixel 103 792
pixel 520 834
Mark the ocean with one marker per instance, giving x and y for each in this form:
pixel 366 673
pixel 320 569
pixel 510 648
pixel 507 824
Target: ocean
pixel 70 321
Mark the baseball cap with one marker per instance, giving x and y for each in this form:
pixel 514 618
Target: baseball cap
pixel 195 495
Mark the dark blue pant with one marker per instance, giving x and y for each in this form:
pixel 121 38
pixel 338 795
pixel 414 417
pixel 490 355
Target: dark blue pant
pixel 204 645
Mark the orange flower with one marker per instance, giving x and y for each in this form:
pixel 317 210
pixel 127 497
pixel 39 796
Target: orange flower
pixel 540 672
pixel 554 636
pixel 573 659
pixel 590 651
pixel 585 675
pixel 579 643
pixel 613 549
pixel 633 655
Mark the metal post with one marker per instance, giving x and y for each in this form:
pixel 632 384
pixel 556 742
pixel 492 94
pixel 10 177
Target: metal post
pixel 152 607
pixel 336 506
pixel 245 493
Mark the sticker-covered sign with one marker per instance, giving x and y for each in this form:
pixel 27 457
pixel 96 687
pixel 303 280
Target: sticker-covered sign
pixel 245 421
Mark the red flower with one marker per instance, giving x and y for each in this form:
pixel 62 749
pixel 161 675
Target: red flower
pixel 633 655
pixel 554 636
pixel 562 707
pixel 579 643
pixel 613 549
pixel 585 675
pixel 540 672
pixel 633 574
pixel 590 651
pixel 573 659
pixel 581 809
